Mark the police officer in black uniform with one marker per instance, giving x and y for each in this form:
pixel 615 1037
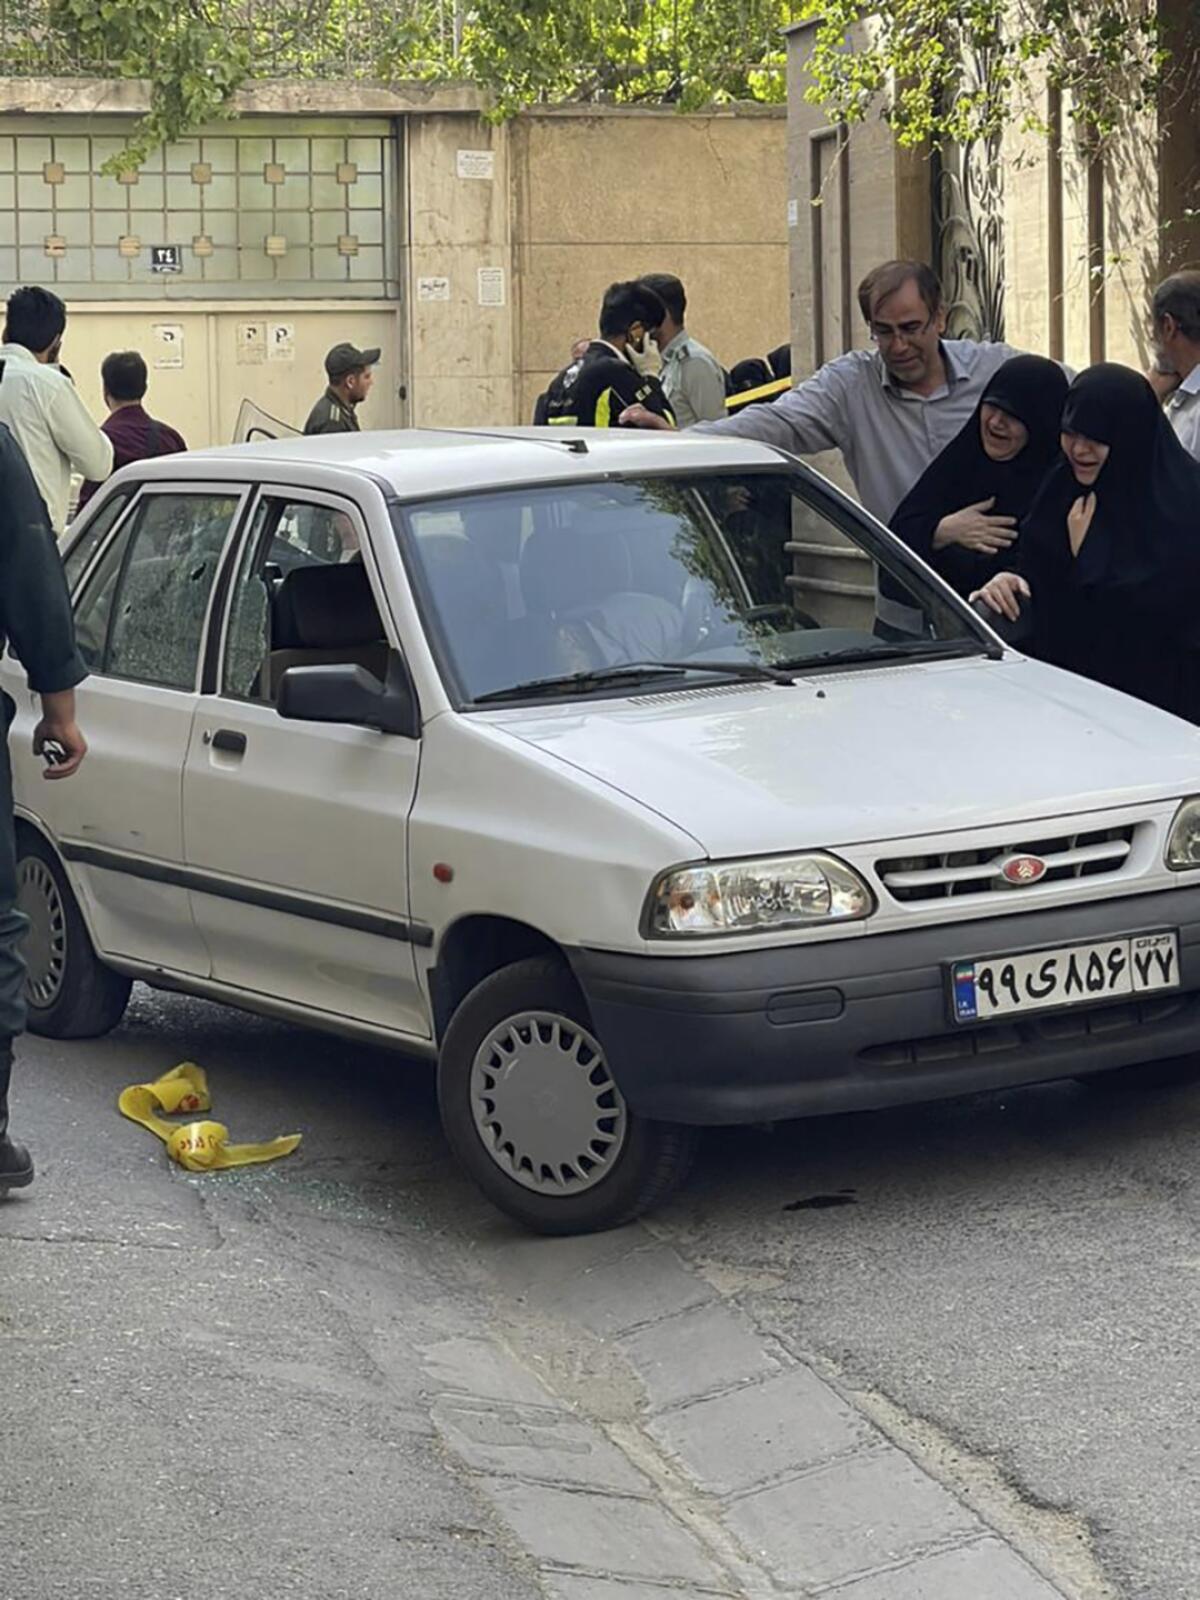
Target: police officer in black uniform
pixel 593 392
pixel 350 375
pixel 36 621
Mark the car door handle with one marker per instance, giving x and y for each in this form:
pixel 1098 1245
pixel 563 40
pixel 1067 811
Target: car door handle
pixel 228 739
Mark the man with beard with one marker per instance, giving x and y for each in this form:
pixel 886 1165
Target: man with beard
pixel 593 392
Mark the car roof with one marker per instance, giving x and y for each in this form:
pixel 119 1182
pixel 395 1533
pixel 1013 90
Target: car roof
pixel 418 462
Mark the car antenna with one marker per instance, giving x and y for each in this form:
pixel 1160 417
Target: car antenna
pixel 577 447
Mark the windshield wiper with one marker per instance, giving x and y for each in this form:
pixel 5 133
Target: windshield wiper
pixel 887 650
pixel 631 673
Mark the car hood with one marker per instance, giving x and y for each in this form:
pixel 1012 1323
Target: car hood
pixel 872 754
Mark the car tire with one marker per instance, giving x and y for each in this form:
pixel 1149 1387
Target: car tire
pixel 531 1111
pixel 1175 1072
pixel 69 992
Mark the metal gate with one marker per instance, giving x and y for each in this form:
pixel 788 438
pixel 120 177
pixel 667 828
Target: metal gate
pixel 967 194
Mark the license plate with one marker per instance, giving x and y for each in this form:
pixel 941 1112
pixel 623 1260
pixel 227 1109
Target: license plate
pixel 1074 975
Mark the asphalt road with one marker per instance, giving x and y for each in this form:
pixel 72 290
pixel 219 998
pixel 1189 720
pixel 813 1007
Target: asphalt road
pixel 213 1383
pixel 1022 1271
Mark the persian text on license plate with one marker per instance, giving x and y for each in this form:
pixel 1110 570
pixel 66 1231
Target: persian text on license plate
pixel 1079 974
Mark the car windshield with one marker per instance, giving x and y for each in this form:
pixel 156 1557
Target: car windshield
pixel 606 587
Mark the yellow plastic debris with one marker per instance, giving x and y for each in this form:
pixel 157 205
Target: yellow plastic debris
pixel 198 1146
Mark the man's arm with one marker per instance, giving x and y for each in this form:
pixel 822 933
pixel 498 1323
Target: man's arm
pixel 805 420
pixel 86 447
pixel 625 387
pixel 810 418
pixel 35 608
pixel 58 726
pixel 89 486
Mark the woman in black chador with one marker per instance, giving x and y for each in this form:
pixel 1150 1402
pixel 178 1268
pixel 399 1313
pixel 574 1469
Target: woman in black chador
pixel 962 514
pixel 1109 554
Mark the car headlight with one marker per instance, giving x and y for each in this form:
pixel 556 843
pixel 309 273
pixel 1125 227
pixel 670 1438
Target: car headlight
pixel 756 896
pixel 1183 847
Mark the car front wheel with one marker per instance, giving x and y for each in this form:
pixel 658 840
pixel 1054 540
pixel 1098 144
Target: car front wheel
pixel 531 1109
pixel 69 992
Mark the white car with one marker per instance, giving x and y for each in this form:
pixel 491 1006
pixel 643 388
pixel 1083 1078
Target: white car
pixel 577 763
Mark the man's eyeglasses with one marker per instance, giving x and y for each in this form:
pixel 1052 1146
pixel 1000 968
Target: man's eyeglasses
pixel 881 333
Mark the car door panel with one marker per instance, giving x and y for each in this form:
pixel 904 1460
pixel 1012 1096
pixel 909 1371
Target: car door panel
pixel 119 825
pixel 296 833
pixel 303 839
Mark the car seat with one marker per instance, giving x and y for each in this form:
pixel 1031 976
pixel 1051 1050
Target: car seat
pixel 494 528
pixel 582 577
pixel 326 616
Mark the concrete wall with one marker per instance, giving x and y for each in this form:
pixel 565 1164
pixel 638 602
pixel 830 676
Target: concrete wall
pixel 462 351
pixel 845 215
pixel 506 237
pixel 212 365
pixel 1133 243
pixel 603 195
pixel 1131 246
pixel 1027 242
pixel 554 207
pixel 889 214
pixel 824 173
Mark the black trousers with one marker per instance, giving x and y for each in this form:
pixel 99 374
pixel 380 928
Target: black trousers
pixel 13 923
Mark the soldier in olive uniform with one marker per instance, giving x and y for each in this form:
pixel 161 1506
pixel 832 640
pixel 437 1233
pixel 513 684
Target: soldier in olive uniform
pixel 692 377
pixel 351 373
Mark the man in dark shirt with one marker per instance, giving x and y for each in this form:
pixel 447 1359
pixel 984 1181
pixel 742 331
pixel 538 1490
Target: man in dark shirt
pixel 593 392
pixel 135 435
pixel 351 373
pixel 541 412
pixel 36 621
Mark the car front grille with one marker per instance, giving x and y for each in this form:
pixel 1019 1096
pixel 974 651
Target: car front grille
pixel 956 873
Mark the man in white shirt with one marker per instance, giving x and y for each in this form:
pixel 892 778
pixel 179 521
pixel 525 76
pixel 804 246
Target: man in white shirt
pixel 41 406
pixel 1175 376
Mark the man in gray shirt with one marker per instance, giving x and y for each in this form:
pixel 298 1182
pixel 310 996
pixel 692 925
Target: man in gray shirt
pixel 1175 377
pixel 889 410
pixel 691 375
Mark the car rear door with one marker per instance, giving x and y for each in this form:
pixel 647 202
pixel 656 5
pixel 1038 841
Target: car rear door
pixel 141 611
pixel 296 833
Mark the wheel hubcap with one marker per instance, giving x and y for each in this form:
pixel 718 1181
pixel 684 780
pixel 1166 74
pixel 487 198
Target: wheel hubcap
pixel 45 946
pixel 545 1105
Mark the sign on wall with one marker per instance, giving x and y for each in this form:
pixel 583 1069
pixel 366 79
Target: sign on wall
pixel 477 164
pixel 433 288
pixel 167 341
pixel 281 341
pixel 491 286
pixel 166 258
pixel 251 344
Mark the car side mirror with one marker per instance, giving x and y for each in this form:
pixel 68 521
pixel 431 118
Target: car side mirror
pixel 351 695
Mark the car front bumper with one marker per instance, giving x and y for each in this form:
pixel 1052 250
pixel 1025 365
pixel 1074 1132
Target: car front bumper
pixel 859 1024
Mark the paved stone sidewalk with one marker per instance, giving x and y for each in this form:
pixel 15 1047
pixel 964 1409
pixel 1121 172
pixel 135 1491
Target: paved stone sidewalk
pixel 741 1474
